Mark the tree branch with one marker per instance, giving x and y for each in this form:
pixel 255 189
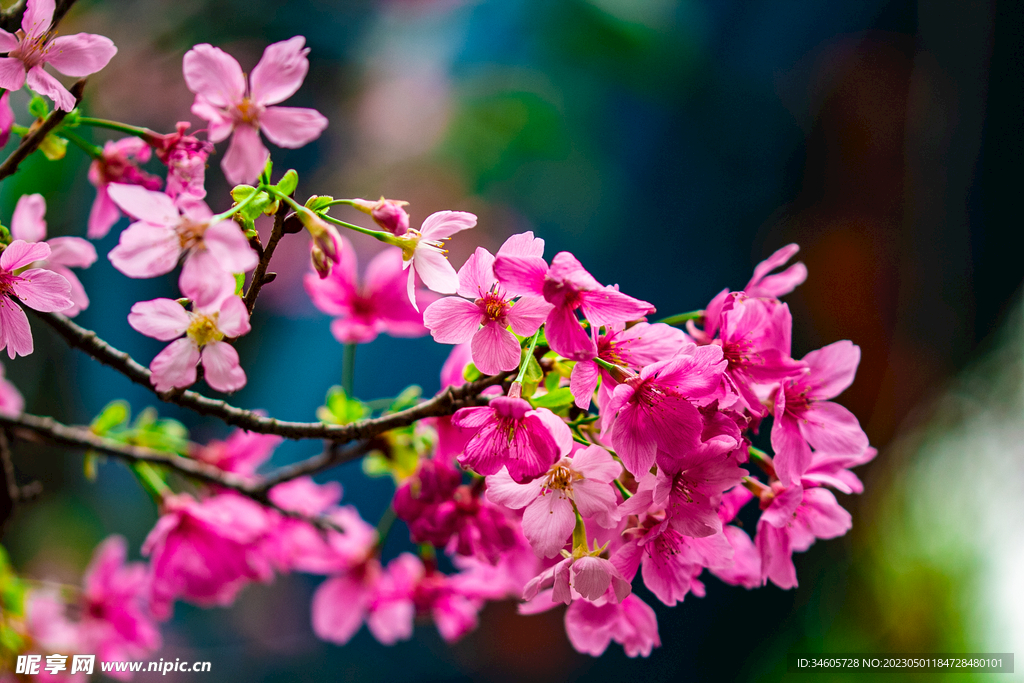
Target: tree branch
pixel 35 138
pixel 445 403
pixel 259 275
pixel 10 19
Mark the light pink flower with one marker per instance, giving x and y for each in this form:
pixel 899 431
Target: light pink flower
pixel 116 624
pixel 224 100
pixel 510 433
pixel 119 163
pixel 778 284
pixel 654 410
pixel 568 287
pixel 423 252
pixel 166 230
pixel 205 328
pixel 33 46
pixel 454 320
pixel 28 224
pixel 631 623
pixel 804 417
pixel 7 119
pixel 378 305
pixel 37 288
pixel 548 518
pixel 11 401
pixel 206 552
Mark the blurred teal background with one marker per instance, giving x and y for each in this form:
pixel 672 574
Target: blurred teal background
pixel 670 145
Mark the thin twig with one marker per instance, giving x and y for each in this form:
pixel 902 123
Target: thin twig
pixel 332 456
pixel 259 275
pixel 445 403
pixel 32 141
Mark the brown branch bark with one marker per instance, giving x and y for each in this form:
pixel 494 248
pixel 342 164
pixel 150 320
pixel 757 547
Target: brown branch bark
pixel 31 142
pixel 444 403
pixel 259 275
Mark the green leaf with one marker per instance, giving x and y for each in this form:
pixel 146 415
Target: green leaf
pixel 288 182
pixel 265 176
pixel 409 397
pixel 90 465
pixel 339 409
pixel 114 414
pixel 471 373
pixel 559 398
pixel 38 107
pixel 239 283
pixel 54 147
pixel 241 192
pixel 5 235
pixel 534 373
pixel 317 203
pixel 551 381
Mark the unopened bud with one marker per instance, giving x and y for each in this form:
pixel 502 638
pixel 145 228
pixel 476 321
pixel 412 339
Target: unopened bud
pixel 387 213
pixel 325 237
pixel 321 264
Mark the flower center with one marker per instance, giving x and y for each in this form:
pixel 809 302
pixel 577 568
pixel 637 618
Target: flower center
pixel 190 233
pixel 203 329
pixel 248 111
pixel 7 281
pixel 30 52
pixel 494 306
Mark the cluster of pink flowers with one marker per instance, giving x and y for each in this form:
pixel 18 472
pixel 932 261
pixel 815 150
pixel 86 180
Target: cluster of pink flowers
pixel 623 446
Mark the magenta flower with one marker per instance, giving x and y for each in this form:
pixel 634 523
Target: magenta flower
pixel 223 100
pixel 166 230
pixel 440 510
pixel 827 469
pixel 633 348
pixel 206 552
pixel 568 286
pixel 763 284
pixel 653 410
pixel 389 214
pixel 453 320
pixel 28 224
pixel 362 312
pixel 241 453
pixel 33 46
pixel 510 433
pixel 745 568
pixel 11 401
pixel 804 417
pixel 37 288
pixel 116 624
pixel 586 577
pixel 423 252
pixel 341 603
pixel 582 481
pixel 118 164
pixel 185 157
pixel 631 623
pixel 7 119
pixel 205 328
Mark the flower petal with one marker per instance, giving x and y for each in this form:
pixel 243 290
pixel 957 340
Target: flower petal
pixel 214 74
pixel 45 84
pixel 20 253
pixel 12 73
pixel 203 280
pixel 163 319
pixel 280 71
pixel 548 522
pixel 495 349
pixel 528 314
pixel 71 252
pixel 103 214
pixel 292 127
pixel 80 54
pixel 477 274
pixel 28 221
pixel 175 366
pixel 37 18
pixel 146 250
pixel 452 320
pixel 145 205
pixel 583 382
pixel 246 156
pixel 228 244
pixel 233 320
pixel 15 333
pixel 442 224
pixel 43 290
pixel 505 491
pixel 521 275
pixel 435 271
pixel 221 368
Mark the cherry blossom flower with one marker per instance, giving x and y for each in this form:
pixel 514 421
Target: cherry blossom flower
pixel 342 602
pixel 7 119
pixel 568 287
pixel 119 163
pixel 185 158
pixel 745 568
pixel 166 230
pixel 116 624
pixel 33 46
pixel 224 100
pixel 241 453
pixel 454 320
pixel 580 576
pixel 205 328
pixel 511 434
pixel 653 410
pixel 362 312
pixel 423 252
pixel 804 417
pixel 206 552
pixel 582 482
pixel 389 214
pixel 37 288
pixel 827 469
pixel 28 224
pixel 11 401
pixel 631 623
pixel 764 284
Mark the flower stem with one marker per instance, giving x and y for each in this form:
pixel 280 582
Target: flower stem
pixel 380 235
pixel 762 460
pixel 682 318
pixel 237 207
pixel 626 495
pixel 579 532
pixel 384 525
pixel 114 125
pixel 92 150
pixel 348 370
pixel 525 363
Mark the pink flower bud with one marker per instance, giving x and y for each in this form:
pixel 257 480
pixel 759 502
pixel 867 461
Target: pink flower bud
pixel 387 213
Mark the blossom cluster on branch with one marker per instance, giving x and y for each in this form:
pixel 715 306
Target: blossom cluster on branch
pixel 578 448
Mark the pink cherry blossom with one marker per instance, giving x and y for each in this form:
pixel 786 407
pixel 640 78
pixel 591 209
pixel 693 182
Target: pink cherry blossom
pixel 633 348
pixel 11 401
pixel 205 328
pixel 230 106
pixel 28 224
pixel 341 603
pixel 827 469
pixel 33 46
pixel 568 287
pixel 510 433
pixel 745 568
pixel 423 252
pixel 119 163
pixel 50 630
pixel 763 284
pixel 206 552
pixel 363 311
pixel 185 157
pixel 631 623
pixel 582 482
pixel 166 230
pixel 37 288
pixel 389 214
pixel 440 510
pixel 241 453
pixel 116 624
pixel 7 119
pixel 587 577
pixel 653 410
pixel 804 417
pixel 454 320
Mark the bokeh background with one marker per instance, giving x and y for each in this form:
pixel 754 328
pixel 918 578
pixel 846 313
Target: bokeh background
pixel 671 145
